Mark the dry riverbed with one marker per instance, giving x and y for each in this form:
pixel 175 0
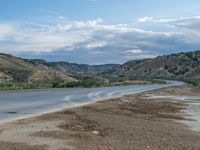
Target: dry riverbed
pixel 151 120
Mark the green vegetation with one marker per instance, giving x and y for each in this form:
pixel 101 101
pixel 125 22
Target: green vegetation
pixel 134 81
pixel 179 66
pixel 143 81
pixel 22 86
pixel 84 84
pixel 156 81
pixel 18 73
pixel 195 82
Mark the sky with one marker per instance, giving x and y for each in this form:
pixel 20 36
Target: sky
pixel 98 31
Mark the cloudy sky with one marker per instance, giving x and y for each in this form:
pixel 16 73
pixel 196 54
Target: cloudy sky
pixel 98 31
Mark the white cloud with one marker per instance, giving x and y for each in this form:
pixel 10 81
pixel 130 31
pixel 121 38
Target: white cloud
pixel 62 17
pixel 94 37
pixel 39 38
pixel 5 31
pixel 96 44
pixel 135 51
pixel 141 56
pixel 145 19
pixel 191 23
pixel 153 20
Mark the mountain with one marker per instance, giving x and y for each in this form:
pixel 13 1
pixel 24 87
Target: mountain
pixel 14 69
pixel 73 68
pixel 174 66
pixel 179 66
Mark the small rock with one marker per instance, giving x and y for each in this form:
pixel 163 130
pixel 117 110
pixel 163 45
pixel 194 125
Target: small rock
pixel 95 132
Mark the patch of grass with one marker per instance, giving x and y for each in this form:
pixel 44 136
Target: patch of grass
pixel 133 81
pixel 195 82
pixel 22 86
pixel 84 83
pixel 157 81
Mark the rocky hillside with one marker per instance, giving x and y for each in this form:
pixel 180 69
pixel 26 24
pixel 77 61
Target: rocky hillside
pixel 180 66
pixel 13 69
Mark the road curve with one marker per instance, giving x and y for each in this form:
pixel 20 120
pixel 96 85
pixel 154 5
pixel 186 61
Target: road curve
pixel 15 105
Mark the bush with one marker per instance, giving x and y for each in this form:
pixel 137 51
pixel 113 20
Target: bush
pixel 85 83
pixel 21 86
pixel 195 82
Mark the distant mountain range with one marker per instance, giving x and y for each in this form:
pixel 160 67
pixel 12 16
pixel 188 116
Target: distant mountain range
pixel 73 68
pixel 179 66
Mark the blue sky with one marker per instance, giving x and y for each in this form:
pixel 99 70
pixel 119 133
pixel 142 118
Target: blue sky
pixel 98 31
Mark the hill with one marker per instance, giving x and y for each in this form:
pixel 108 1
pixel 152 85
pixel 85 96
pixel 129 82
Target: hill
pixel 179 66
pixel 17 70
pixel 73 68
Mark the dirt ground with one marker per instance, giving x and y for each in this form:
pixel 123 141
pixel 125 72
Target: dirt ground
pixel 132 122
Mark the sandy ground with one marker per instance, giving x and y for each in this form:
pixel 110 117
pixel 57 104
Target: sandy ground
pixel 132 122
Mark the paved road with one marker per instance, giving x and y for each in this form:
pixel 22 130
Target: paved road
pixel 15 105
